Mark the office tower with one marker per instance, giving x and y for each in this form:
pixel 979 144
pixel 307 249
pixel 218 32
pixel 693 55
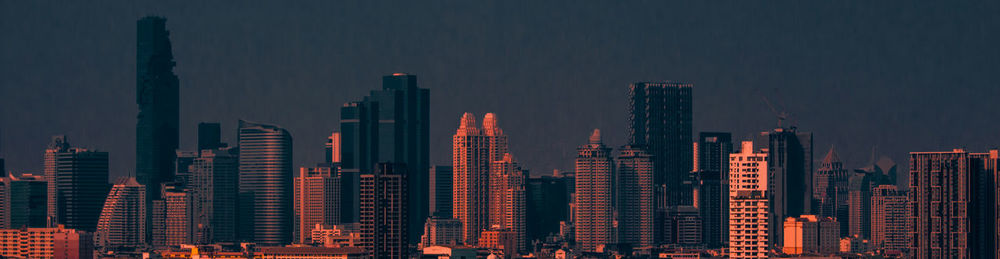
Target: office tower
pixel 333 149
pixel 23 201
pixel 982 205
pixel 890 229
pixel 59 144
pixel 470 165
pixel 547 201
pixel 214 187
pixel 440 231
pixel 810 234
pixel 507 200
pixel 635 197
pixel 830 190
pixel 790 176
pixel 859 195
pixel 712 171
pixel 938 202
pixel 43 243
pixel 389 125
pixel 594 209
pixel 683 225
pixel 80 180
pixel 210 136
pixel 440 191
pixel 122 225
pixel 317 201
pixel 157 96
pixel 660 122
pixel 72 244
pixel 172 217
pixel 265 183
pixel 384 221
pixel 748 203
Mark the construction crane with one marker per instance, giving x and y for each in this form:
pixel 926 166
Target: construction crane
pixel 782 115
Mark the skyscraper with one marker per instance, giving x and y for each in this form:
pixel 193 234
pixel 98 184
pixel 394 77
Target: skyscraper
pixel 122 225
pixel 59 144
pixel 384 221
pixel 593 194
pixel 712 171
pixel 470 166
pixel 172 219
pixel 548 204
pixel 660 122
pixel 210 136
pixel 890 229
pixel 507 200
pixel 265 183
pixel 830 190
pixel 157 97
pixel 214 187
pixel 635 197
pixel 938 203
pixel 80 180
pixel 982 204
pixel 441 188
pixel 790 177
pixel 749 219
pixel 23 201
pixel 390 125
pixel 333 148
pixel 317 201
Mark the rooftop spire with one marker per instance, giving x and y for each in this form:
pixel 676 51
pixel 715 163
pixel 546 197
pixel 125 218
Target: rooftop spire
pixel 595 138
pixel 831 157
pixel 490 125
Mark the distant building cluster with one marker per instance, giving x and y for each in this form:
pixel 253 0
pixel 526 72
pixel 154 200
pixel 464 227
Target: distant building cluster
pixel 666 193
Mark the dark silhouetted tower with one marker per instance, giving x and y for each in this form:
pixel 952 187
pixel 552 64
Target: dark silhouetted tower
pixel 790 179
pixel 712 171
pixel 210 136
pixel 157 96
pixel 265 184
pixel 384 221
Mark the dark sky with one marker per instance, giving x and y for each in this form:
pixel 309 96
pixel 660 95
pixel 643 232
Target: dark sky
pixel 903 75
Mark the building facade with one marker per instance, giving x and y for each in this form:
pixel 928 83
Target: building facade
pixel 23 201
pixel 122 225
pixel 157 96
pixel 384 221
pixel 58 242
pixel 749 235
pixel 317 201
pixel 635 197
pixel 440 231
pixel 890 229
pixel 470 165
pixel 507 199
pixel 594 201
pixel 790 176
pixel 441 191
pixel 809 234
pixel 265 184
pixel 78 184
pixel 214 188
pixel 712 172
pixel 938 204
pixel 830 190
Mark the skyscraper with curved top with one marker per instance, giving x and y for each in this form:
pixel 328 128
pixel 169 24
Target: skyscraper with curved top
pixel 122 225
pixel 593 194
pixel 265 183
pixel 470 167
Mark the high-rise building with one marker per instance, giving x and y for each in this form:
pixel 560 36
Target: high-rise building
pixel 172 223
pixel 440 231
pixel 811 235
pixel 890 229
pixel 594 190
pixel 389 125
pixel 317 201
pixel 507 199
pixel 982 205
pixel 265 183
pixel 711 169
pixel 210 136
pixel 333 149
pixel 214 188
pixel 46 243
pixel 78 184
pixel 938 203
pixel 635 197
pixel 748 203
pixel 440 192
pixel 830 190
pixel 384 221
pixel 859 194
pixel 158 98
pixel 684 226
pixel 548 204
pixel 122 225
pixel 790 177
pixel 660 122
pixel 470 167
pixel 23 201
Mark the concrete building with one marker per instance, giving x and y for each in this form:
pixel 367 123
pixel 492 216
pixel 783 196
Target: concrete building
pixel 939 202
pixel 635 197
pixel 594 195
pixel 440 231
pixel 749 204
pixel 889 223
pixel 342 235
pixel 58 242
pixel 213 186
pixel 172 217
pixel 507 199
pixel 317 201
pixel 122 225
pixel 830 190
pixel 311 253
pixel 384 223
pixel 809 234
pixel 23 201
pixel 502 240
pixel 449 252
pixel 712 182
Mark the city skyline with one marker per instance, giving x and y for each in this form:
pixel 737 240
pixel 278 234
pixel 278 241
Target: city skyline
pixel 884 77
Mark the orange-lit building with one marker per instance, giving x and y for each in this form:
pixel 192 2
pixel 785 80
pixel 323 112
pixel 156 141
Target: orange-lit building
pixel 594 218
pixel 507 199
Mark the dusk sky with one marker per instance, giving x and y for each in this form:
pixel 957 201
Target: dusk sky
pixel 905 76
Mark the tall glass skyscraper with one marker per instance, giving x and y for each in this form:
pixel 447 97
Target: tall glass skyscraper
pixel 265 183
pixel 157 96
pixel 790 181
pixel 79 182
pixel 389 125
pixel 712 170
